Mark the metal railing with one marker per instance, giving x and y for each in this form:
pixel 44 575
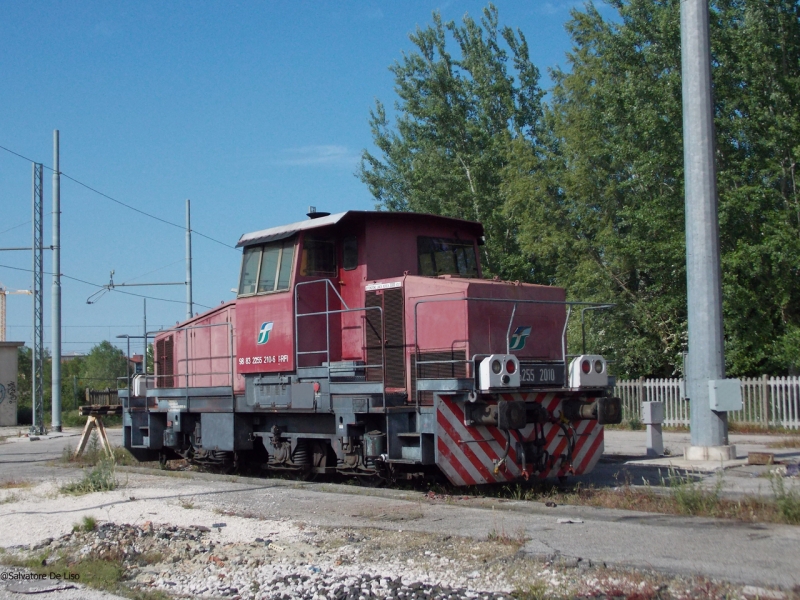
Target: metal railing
pixel 766 401
pixel 191 358
pixel 515 302
pixel 327 314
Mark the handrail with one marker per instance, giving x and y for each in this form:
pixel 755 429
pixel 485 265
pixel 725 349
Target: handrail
pixel 515 301
pixel 187 360
pixel 327 313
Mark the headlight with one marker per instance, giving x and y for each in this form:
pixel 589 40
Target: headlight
pixel 498 371
pixel 588 371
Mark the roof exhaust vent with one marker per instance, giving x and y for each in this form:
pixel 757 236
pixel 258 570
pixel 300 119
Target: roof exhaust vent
pixel 313 214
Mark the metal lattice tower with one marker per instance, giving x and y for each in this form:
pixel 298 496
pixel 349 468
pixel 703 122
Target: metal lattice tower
pixel 37 356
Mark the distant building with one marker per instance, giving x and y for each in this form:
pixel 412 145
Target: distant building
pixel 136 363
pixel 8 383
pixel 68 356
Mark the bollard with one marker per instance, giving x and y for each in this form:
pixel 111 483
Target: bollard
pixel 653 417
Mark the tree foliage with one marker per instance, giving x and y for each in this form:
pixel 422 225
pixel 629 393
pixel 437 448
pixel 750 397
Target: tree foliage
pixel 103 365
pixel 586 191
pixel 98 370
pixel 456 116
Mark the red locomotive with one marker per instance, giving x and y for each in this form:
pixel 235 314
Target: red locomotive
pixel 367 344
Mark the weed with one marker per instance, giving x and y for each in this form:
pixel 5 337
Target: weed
pixel 757 428
pixel 101 573
pixel 88 523
pixel 186 503
pixel 14 484
pixel 691 498
pixel 123 457
pixel 635 424
pixel 501 537
pixel 93 454
pixel 67 454
pixel 533 591
pixel 788 500
pixel 791 442
pixel 101 478
pixel 10 498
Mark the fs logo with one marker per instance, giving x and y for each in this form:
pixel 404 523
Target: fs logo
pixel 519 337
pixel 263 333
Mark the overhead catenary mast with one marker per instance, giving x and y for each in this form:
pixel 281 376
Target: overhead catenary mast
pixel 37 351
pixel 56 308
pixel 705 368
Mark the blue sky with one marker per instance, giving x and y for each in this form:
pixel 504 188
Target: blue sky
pixel 253 110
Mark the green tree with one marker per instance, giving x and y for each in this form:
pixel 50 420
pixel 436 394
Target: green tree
pixel 72 385
pixel 103 365
pixel 25 376
pixel 586 191
pixel 606 198
pixel 456 118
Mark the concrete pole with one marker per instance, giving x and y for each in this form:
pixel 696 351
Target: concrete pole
pixel 144 335
pixel 703 271
pixel 189 307
pixel 56 309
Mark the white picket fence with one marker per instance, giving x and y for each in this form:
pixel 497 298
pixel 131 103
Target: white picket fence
pixel 767 401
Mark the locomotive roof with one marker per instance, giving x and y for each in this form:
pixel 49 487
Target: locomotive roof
pixel 284 231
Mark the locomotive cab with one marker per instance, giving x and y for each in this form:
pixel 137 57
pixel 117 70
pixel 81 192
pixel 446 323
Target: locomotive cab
pixel 368 344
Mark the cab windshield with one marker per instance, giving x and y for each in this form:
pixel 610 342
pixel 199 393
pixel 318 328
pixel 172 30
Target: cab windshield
pixel 441 256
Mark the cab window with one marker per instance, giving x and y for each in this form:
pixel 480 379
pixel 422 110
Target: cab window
pixel 442 256
pixel 267 268
pixel 319 257
pixel 250 261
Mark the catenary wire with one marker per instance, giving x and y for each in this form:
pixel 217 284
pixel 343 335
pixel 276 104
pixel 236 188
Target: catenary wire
pixel 14 227
pixel 153 271
pixel 133 208
pixel 104 287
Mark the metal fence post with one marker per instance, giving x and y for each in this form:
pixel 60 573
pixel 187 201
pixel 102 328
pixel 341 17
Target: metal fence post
pixel 640 393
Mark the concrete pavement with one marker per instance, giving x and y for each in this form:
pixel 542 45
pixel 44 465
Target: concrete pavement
pixel 759 554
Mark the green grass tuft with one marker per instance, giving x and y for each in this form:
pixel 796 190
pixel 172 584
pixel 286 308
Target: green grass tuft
pixel 101 478
pixel 691 498
pixel 788 500
pixel 88 523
